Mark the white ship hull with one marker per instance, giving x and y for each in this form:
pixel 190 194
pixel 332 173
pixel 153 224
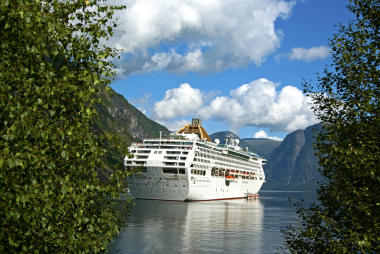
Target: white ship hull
pixel 190 188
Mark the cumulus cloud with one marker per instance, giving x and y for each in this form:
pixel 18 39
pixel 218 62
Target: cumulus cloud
pixel 308 55
pixel 174 125
pixel 263 134
pixel 260 104
pixel 194 35
pixel 177 102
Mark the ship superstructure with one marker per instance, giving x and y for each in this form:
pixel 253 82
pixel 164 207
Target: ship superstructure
pixel 187 166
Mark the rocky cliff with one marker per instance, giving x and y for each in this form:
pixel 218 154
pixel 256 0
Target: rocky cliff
pixel 293 163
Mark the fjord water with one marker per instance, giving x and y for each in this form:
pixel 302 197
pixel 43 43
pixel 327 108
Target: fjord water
pixel 228 226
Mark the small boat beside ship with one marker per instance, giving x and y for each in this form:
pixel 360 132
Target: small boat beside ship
pixel 188 166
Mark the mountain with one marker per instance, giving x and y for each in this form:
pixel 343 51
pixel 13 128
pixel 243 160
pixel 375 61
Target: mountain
pixel 125 123
pixel 118 116
pixel 293 163
pixel 262 146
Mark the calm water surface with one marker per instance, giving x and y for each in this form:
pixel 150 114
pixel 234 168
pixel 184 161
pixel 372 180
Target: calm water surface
pixel 229 226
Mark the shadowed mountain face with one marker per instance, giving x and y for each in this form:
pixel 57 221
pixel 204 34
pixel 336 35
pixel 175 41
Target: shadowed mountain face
pixel 293 163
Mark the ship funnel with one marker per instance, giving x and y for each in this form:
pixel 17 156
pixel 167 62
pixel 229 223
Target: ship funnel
pixel 196 122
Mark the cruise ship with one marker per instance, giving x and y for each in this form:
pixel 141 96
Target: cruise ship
pixel 188 166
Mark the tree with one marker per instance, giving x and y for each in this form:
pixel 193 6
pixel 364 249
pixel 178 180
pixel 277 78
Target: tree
pixel 52 67
pixel 346 217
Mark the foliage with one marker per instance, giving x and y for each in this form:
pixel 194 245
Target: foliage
pixel 346 218
pixel 52 66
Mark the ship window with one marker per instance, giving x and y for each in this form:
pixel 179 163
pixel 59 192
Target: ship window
pixel 182 164
pixel 185 152
pixel 181 170
pixel 170 157
pixel 173 152
pixel 170 163
pixel 170 171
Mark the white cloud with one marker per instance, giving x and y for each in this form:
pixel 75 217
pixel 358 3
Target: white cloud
pixel 197 35
pixel 260 104
pixel 177 102
pixel 263 134
pixel 174 125
pixel 308 55
pixel 257 103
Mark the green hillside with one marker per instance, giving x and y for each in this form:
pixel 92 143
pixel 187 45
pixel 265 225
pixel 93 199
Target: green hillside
pixel 125 123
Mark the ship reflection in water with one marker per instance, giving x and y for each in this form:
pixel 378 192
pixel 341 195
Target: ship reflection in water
pixel 229 226
pixel 192 227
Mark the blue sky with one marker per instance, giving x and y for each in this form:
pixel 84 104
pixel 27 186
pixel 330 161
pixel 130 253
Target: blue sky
pixel 238 64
